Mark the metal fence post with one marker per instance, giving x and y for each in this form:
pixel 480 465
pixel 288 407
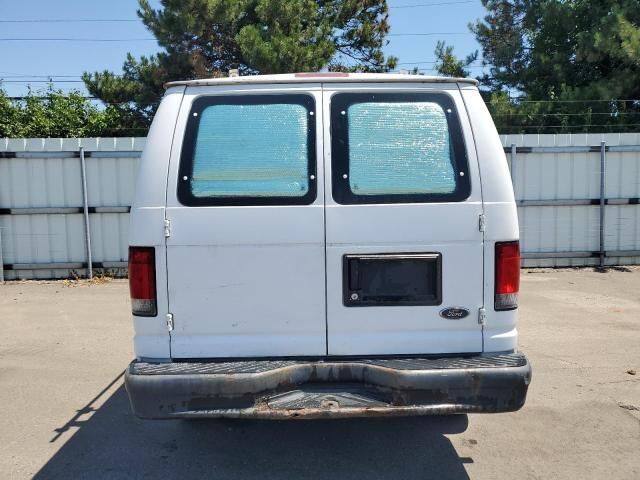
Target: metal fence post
pixel 1 260
pixel 513 163
pixel 603 177
pixel 87 227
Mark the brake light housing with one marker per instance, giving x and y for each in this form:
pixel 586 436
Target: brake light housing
pixel 507 279
pixel 142 281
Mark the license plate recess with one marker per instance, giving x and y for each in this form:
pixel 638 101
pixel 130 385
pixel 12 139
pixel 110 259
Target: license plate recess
pixel 395 279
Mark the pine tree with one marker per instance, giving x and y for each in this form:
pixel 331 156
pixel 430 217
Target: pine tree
pixel 582 55
pixel 207 38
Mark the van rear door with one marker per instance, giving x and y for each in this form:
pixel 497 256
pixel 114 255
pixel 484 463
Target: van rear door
pixel 245 250
pixel 404 247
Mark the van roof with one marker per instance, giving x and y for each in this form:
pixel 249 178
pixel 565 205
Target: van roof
pixel 324 77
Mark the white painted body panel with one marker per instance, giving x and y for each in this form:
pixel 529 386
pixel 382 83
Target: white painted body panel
pixel 146 221
pixel 246 280
pixel 255 281
pixel 501 217
pixel 447 228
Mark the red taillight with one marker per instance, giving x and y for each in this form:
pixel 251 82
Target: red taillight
pixel 507 275
pixel 142 281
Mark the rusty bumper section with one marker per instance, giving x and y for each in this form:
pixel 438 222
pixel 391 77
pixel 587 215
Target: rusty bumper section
pixel 328 388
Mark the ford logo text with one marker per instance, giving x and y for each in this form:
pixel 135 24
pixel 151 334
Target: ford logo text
pixel 454 313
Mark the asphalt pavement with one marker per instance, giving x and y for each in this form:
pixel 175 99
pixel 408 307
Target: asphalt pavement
pixel 65 413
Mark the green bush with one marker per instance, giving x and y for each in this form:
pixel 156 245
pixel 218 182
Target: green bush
pixel 53 113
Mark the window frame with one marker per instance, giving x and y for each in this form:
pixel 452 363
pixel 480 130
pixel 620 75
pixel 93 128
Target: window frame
pixel 341 190
pixel 185 169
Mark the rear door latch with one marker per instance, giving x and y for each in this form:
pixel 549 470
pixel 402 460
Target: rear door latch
pixel 170 322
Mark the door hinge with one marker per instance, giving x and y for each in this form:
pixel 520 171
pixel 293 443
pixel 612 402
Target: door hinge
pixel 482 316
pixel 170 322
pixel 481 222
pixel 167 228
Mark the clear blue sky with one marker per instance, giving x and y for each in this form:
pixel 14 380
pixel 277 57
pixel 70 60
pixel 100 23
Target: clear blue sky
pixel 27 61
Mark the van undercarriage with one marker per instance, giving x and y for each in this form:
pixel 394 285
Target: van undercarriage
pixel 328 387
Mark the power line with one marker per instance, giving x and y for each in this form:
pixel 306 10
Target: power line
pixel 418 63
pixel 70 39
pixel 422 62
pixel 464 67
pixel 96 99
pixel 131 20
pixel 38 76
pixel 5 74
pixel 613 115
pixel 40 81
pixel 560 114
pixel 574 101
pixel 427 34
pixel 53 76
pixel 70 20
pixel 12 39
pixel 20 79
pixel 75 39
pixel 585 125
pixel 420 5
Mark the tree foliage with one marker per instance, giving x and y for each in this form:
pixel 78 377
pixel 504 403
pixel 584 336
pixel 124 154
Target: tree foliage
pixel 448 64
pixel 573 63
pixel 207 38
pixel 53 113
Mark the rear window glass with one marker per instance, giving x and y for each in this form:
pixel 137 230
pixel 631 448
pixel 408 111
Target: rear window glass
pixel 392 148
pixel 249 150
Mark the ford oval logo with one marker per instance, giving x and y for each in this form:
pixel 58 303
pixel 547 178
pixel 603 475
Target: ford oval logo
pixel 454 313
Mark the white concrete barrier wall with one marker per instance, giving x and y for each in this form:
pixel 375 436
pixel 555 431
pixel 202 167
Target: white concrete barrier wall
pixel 45 174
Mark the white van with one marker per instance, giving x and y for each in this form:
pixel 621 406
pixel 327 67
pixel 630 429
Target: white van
pixel 324 245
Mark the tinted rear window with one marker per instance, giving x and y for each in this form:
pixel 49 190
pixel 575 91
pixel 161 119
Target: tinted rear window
pixel 249 150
